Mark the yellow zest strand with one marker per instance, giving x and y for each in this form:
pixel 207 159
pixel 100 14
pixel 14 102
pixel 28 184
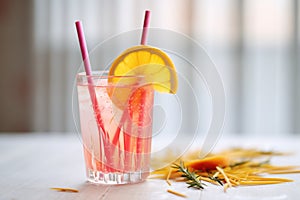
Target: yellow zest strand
pixel 168 177
pixel 226 185
pixel 216 174
pixel 285 172
pixel 225 176
pixel 262 182
pixel 176 193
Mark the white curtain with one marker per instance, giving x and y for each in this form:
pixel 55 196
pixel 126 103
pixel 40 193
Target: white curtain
pixel 254 44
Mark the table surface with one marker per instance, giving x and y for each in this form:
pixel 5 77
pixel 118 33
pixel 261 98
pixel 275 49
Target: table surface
pixel 32 163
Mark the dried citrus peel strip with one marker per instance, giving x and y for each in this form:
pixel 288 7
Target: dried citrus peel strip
pixel 209 163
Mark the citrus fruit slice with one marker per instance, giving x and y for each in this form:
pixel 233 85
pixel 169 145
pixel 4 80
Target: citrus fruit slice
pixel 152 64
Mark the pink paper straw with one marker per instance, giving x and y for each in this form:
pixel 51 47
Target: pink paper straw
pixel 83 48
pixel 139 141
pixel 145 27
pixel 88 71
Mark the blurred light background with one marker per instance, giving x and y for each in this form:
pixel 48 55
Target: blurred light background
pixel 254 44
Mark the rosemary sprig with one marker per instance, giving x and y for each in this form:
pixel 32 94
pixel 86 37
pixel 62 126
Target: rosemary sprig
pixel 193 180
pixel 218 180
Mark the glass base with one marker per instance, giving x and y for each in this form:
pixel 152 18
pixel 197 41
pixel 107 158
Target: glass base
pixel 116 178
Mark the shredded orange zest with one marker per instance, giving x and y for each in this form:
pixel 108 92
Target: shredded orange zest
pixel 65 190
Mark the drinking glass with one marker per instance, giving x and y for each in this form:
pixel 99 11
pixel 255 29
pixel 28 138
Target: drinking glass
pixel 116 127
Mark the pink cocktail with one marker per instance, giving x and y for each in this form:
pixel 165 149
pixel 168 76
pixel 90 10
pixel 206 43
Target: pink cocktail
pixel 117 134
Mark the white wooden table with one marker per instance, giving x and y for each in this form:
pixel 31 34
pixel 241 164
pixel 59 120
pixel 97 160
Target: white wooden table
pixel 30 164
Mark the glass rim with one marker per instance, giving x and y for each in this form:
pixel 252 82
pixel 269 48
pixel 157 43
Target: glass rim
pixel 105 75
pixel 97 78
